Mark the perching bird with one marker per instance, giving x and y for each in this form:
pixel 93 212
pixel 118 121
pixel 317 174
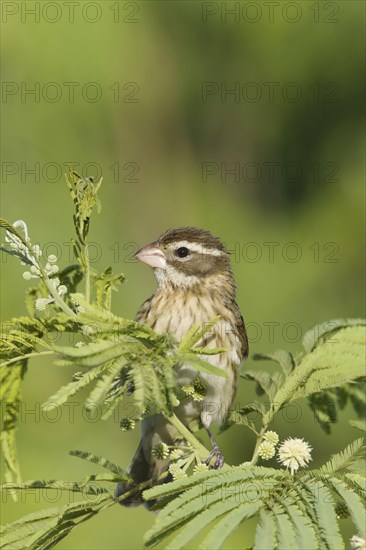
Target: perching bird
pixel 195 284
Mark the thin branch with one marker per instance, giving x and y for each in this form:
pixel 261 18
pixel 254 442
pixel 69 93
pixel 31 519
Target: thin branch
pixel 53 291
pixel 87 273
pixel 254 460
pixel 142 486
pixel 26 356
pixel 188 436
pixel 267 419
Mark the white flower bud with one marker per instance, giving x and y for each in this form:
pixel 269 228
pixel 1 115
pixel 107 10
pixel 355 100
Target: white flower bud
pixel 41 303
pixel 271 437
pixel 200 468
pixel 55 282
pixel 266 450
pixel 177 472
pixel 62 289
pixel 175 454
pixel 23 226
pixel 357 543
pixel 36 249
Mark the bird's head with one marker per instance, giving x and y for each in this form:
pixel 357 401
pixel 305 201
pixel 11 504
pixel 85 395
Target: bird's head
pixel 186 257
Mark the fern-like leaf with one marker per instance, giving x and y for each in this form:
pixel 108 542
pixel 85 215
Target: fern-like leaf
pixel 196 333
pixel 226 525
pixel 44 529
pixel 305 533
pixel 324 507
pixel 357 481
pixel 211 494
pixel 330 365
pixel 344 459
pixel 266 532
pixel 286 537
pixel 323 331
pixel 87 486
pixel 355 504
pixel 265 382
pixel 282 357
pixel 104 384
pixel 65 392
pixel 10 380
pixel 199 364
pixel 101 461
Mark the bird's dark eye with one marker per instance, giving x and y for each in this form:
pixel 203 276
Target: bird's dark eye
pixel 182 252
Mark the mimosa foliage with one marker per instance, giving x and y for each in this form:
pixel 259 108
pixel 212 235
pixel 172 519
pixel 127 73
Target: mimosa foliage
pixel 116 359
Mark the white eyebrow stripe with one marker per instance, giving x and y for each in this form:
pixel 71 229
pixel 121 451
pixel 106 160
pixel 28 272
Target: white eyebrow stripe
pixel 197 247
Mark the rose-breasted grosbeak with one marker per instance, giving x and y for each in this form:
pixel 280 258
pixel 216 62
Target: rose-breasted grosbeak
pixel 195 284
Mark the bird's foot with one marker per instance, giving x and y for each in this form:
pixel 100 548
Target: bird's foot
pixel 219 458
pixel 130 389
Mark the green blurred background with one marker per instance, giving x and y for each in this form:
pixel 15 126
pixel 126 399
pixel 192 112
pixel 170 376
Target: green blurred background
pixel 151 113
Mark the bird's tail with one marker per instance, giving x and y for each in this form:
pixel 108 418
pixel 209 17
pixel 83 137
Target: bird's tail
pixel 144 465
pixel 139 471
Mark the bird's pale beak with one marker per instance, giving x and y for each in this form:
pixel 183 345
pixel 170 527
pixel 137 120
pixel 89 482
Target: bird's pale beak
pixel 151 255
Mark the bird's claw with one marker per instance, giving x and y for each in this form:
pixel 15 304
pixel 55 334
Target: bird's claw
pixel 219 458
pixel 130 389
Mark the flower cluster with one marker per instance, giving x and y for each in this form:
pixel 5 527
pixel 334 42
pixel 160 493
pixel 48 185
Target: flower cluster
pixel 50 268
pixel 180 458
pixel 267 448
pixel 294 453
pixel 358 543
pixel 196 390
pixel 177 471
pixel 341 510
pixel 31 254
pixel 176 454
pixel 202 467
pixel 41 303
pixel 161 451
pixel 28 254
pixel 271 437
pixel 127 424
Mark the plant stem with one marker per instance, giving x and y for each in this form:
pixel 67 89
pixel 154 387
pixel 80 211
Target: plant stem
pixel 267 419
pixel 53 291
pixel 26 356
pixel 87 273
pixel 148 484
pixel 254 460
pixel 189 437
